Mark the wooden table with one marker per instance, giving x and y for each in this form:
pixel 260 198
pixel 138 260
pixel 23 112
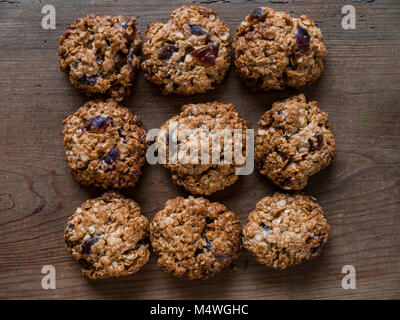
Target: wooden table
pixel 360 192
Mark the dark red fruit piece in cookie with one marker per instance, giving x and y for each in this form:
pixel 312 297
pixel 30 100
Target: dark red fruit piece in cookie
pixel 205 55
pixel 258 13
pixel 98 124
pixel 112 156
pixel 89 80
pixel 167 51
pixel 319 143
pixel 209 220
pixel 208 244
pixel 196 30
pixel 87 245
pixel 266 228
pixel 302 40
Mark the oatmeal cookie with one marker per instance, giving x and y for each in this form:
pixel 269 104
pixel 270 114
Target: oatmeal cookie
pixel 100 54
pixel 274 50
pixel 286 229
pixel 188 54
pixel 108 236
pixel 104 145
pixel 195 238
pixel 201 126
pixel 293 142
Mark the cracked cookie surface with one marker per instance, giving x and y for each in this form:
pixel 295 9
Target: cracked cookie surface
pixel 195 238
pixel 190 53
pixel 200 126
pixel 100 54
pixel 104 145
pixel 286 229
pixel 108 236
pixel 293 142
pixel 274 50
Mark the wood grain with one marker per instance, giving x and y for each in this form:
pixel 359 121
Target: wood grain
pixel 360 192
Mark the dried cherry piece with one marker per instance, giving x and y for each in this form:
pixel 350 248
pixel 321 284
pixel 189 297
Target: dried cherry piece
pixel 98 124
pixel 302 40
pixel 266 228
pixel 320 140
pixel 89 80
pixel 209 220
pixel 208 244
pixel 258 13
pixel 195 29
pixel 167 51
pixel 87 245
pixel 112 156
pixel 206 55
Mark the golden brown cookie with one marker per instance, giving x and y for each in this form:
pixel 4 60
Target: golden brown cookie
pixel 286 229
pixel 208 121
pixel 188 54
pixel 274 50
pixel 104 145
pixel 293 142
pixel 100 54
pixel 195 238
pixel 108 236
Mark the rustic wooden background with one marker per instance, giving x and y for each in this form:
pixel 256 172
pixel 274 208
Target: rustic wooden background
pixel 359 192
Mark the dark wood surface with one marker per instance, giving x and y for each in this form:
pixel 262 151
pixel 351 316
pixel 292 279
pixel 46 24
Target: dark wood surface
pixel 360 192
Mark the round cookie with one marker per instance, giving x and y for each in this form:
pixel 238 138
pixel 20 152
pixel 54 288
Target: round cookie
pixel 100 54
pixel 195 238
pixel 274 50
pixel 104 145
pixel 286 229
pixel 201 125
pixel 293 142
pixel 108 236
pixel 188 54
